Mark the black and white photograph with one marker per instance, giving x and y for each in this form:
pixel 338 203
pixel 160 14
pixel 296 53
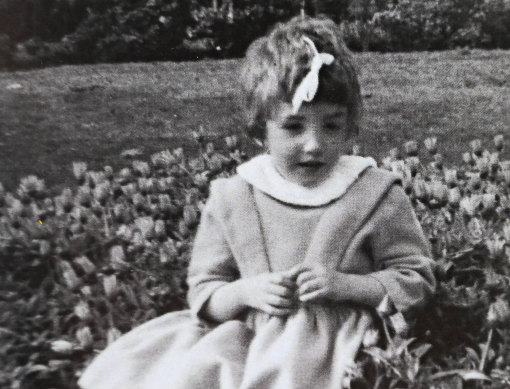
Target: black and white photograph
pixel 242 194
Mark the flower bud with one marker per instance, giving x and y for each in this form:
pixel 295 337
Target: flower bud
pixel 86 290
pixel 496 247
pixel 386 163
pixel 474 182
pixel 454 196
pixel 84 336
pixel 125 175
pixel 190 216
pixel 413 163
pixel 84 196
pixel 450 177
pixel 411 148
pixel 431 144
pixel 44 247
pixel 476 147
pixel 112 335
pixel 505 171
pixel 371 338
pixel 489 200
pixel 499 313
pixel 68 274
pixel 146 185
pixel 483 165
pixel 231 142
pixel 141 168
pixel 110 285
pixel 102 191
pixel 439 191
pixel 138 241
pixel 399 324
pixel 82 310
pixel 395 153
pixel 146 226
pixel 62 347
pixel 419 189
pixel 506 232
pixel 118 258
pixel 108 172
pixel 79 170
pixel 179 154
pixel 85 264
pixel 438 161
pixel 469 205
pixel 160 229
pixel 499 142
pixel 467 158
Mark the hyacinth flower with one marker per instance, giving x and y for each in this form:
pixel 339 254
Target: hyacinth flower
pixel 79 171
pixel 499 142
pixel 450 177
pixel 454 196
pixel 431 145
pixel 476 147
pixel 505 171
pixel 468 158
pixel 411 148
pixel 141 168
pixel 31 188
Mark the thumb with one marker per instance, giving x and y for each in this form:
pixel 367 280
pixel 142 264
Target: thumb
pixel 293 272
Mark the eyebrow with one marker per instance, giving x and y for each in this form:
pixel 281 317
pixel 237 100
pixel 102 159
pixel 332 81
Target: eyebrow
pixel 295 117
pixel 335 115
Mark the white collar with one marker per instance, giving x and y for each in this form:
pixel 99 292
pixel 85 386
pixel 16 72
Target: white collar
pixel 261 173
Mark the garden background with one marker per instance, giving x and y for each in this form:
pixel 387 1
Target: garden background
pixel 125 110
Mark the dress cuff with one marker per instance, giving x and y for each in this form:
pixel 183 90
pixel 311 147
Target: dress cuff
pixel 200 299
pixel 401 294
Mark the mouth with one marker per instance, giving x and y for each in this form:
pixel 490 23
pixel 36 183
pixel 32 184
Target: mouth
pixel 311 164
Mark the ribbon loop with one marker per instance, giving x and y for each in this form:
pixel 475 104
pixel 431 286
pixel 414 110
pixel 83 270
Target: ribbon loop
pixel 307 89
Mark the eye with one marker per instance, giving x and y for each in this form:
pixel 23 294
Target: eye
pixel 332 126
pixel 293 126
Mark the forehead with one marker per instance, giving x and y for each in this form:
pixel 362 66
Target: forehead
pixel 324 110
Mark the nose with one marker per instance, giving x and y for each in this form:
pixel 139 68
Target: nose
pixel 312 142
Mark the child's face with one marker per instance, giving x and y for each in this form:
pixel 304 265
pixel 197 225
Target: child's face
pixel 306 146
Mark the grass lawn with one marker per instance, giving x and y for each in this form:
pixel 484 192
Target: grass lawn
pixel 93 112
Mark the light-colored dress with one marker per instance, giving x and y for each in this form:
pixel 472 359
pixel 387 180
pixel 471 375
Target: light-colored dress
pixel 358 221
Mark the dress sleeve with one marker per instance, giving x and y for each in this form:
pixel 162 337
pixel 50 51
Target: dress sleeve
pixel 212 264
pixel 401 252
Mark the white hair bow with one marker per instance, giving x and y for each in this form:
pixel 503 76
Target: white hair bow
pixel 308 87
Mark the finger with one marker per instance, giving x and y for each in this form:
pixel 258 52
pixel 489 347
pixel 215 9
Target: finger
pixel 281 291
pixel 277 311
pixel 309 286
pixel 279 302
pixel 315 295
pixel 305 277
pixel 293 272
pixel 280 279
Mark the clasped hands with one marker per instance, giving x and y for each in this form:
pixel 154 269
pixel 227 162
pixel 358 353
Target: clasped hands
pixel 278 293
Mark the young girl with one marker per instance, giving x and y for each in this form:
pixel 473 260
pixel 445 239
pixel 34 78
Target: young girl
pixel 295 251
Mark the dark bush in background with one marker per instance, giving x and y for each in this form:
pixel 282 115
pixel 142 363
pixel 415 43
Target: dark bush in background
pixel 49 32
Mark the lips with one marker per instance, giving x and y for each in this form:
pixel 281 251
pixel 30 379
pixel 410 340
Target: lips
pixel 311 164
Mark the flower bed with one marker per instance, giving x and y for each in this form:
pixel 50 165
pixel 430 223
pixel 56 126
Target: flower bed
pixel 80 268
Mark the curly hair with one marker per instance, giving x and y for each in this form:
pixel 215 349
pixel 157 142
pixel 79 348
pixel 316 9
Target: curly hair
pixel 275 64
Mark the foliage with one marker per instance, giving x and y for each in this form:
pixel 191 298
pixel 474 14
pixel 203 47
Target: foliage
pixel 432 25
pixel 80 268
pixel 48 32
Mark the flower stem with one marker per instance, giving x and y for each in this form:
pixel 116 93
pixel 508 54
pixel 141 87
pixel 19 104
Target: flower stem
pixel 486 350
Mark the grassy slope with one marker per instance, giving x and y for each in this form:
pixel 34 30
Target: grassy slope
pixel 93 112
